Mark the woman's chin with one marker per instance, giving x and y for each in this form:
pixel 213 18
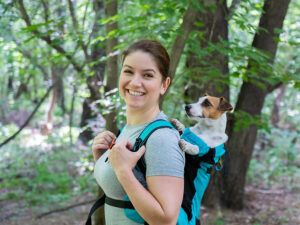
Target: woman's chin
pixel 134 105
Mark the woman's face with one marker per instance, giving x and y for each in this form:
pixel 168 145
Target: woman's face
pixel 141 82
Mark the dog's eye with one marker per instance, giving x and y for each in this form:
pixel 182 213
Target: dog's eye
pixel 206 103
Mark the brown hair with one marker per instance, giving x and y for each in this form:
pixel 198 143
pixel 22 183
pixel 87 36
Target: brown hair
pixel 156 50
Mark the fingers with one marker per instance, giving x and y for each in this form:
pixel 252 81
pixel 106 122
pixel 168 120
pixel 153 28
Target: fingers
pixel 140 152
pixel 105 137
pixel 102 142
pixel 100 146
pixel 109 136
pixel 121 159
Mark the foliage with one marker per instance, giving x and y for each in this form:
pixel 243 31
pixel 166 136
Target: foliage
pixel 245 120
pixel 276 159
pixel 45 170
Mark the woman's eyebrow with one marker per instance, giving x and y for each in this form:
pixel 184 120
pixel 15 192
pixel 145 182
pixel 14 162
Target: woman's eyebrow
pixel 145 70
pixel 149 70
pixel 128 66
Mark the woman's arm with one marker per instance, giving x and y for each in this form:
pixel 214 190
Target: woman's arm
pixel 158 206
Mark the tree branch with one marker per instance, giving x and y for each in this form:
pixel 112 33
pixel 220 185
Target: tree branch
pixel 46 10
pixel 179 43
pixel 271 88
pixel 72 112
pixel 29 56
pixel 72 13
pixel 47 38
pixel 76 28
pixel 84 15
pixel 29 118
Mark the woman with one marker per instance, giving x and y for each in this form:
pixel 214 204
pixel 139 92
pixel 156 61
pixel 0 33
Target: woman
pixel 143 80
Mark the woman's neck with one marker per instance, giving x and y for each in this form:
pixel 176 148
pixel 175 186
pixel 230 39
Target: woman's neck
pixel 141 117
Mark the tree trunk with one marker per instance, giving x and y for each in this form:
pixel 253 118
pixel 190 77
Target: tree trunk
pixel 215 30
pixel 250 100
pixel 187 25
pixel 111 9
pixel 94 82
pixel 212 67
pixel 57 95
pixel 183 33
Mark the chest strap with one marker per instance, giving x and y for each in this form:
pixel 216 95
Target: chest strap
pixel 109 201
pixel 118 203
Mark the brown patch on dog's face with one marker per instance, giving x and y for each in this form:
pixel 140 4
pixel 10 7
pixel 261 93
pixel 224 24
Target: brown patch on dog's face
pixel 213 107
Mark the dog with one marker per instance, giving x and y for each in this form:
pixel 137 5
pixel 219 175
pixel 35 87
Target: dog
pixel 210 114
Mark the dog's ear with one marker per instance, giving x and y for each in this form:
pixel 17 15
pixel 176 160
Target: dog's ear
pixel 224 105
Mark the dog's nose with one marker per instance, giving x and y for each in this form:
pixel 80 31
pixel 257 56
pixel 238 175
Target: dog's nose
pixel 187 107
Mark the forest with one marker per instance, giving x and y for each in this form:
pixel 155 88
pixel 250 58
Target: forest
pixel 60 65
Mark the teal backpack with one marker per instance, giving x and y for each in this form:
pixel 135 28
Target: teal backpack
pixel 197 172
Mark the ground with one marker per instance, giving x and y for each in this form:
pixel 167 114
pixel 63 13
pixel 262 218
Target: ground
pixel 262 207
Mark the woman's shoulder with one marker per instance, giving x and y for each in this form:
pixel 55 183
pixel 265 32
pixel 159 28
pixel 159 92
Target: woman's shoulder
pixel 165 135
pixel 164 140
pixel 163 155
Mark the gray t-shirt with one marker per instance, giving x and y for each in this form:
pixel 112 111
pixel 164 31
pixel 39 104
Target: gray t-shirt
pixel 163 157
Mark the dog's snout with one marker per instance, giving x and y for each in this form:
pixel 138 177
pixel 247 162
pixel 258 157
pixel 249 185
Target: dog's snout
pixel 187 107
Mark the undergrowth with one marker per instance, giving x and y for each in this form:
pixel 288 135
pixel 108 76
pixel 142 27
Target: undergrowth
pixel 45 170
pixel 276 159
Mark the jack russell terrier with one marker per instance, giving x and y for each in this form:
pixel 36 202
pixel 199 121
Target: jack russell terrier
pixel 210 114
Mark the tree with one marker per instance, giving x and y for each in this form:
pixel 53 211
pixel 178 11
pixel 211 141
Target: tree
pixel 208 65
pixel 250 101
pixel 89 63
pixel 96 78
pixel 204 62
pixel 208 61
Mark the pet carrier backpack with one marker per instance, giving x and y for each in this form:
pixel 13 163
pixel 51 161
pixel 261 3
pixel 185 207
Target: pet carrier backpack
pixel 196 176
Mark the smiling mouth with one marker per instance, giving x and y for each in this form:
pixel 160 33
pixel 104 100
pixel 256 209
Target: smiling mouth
pixel 135 93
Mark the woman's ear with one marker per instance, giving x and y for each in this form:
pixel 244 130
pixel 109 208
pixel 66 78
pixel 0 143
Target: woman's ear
pixel 165 85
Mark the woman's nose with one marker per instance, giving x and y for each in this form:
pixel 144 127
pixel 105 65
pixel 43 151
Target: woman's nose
pixel 136 80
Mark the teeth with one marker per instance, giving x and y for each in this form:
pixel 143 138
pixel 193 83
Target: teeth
pixel 135 93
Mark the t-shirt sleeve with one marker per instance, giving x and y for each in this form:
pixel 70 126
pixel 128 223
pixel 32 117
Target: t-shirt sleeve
pixel 163 155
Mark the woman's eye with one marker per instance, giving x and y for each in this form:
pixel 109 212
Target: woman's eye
pixel 127 71
pixel 148 75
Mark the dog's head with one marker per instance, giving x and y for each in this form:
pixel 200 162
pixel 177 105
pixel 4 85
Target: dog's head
pixel 208 107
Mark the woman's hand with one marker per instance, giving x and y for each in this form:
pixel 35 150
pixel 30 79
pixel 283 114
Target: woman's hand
pixel 101 143
pixel 122 159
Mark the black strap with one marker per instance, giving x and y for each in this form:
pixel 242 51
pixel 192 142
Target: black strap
pixel 110 201
pixel 119 203
pixel 209 156
pixel 97 204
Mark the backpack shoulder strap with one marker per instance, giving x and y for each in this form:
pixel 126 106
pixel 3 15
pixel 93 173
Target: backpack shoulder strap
pixel 143 137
